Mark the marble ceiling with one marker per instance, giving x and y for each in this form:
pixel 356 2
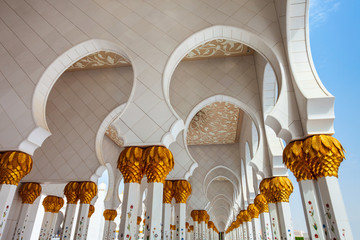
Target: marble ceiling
pixel 217 123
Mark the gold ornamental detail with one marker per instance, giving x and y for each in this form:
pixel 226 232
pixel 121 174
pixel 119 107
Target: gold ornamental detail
pixel 280 189
pixel 91 211
pixel 138 220
pixel 265 189
pixel 261 203
pixel 159 161
pixel 207 218
pixel 315 157
pixel 324 154
pixel 182 190
pixel 168 192
pixel 294 159
pixel 210 224
pixel 187 225
pixel 53 204
pixel 245 216
pixel 14 166
pixel 29 192
pixel 219 48
pixel 70 191
pixel 253 211
pixel 110 214
pixel 131 164
pixel 86 192
pixel 202 215
pixel 191 228
pixel 195 215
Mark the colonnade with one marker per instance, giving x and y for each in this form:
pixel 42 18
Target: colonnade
pixel 314 162
pixel 203 229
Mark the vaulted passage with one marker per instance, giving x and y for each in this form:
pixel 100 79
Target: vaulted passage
pixel 173 120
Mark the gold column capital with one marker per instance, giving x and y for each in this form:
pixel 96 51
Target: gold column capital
pixel 253 211
pixel 29 192
pixel 86 192
pixel 261 203
pixel 265 188
pixel 280 189
pixel 210 224
pixel 159 161
pixel 91 211
pixel 70 191
pixel 182 190
pixel 295 160
pixel 59 204
pixel 195 215
pixel 131 164
pixel 191 228
pixel 186 225
pixel 324 154
pixel 202 215
pixel 168 192
pixel 53 204
pixel 110 214
pixel 138 220
pixel 245 216
pixel 14 166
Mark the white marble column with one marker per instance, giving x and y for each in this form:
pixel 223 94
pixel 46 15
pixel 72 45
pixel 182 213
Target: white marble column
pixel 168 194
pixel 274 219
pixel 182 190
pixel 256 225
pixel 159 161
pixel 173 232
pixel 72 199
pixel 129 209
pixel 29 192
pixel 286 228
pixel 154 211
pixel 52 206
pixel 266 225
pixel 334 208
pixel 112 231
pixel 245 231
pixel 86 192
pixel 195 217
pixel 91 211
pixel 7 193
pixel 203 230
pixel 312 212
pixel 46 225
pixel 138 225
pixel 109 216
pixel 14 166
pixel 166 221
pixel 180 215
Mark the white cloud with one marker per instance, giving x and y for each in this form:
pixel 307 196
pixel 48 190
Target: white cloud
pixel 320 10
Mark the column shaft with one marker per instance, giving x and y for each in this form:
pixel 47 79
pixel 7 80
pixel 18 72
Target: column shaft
pixel 129 210
pixel 154 210
pixel 274 221
pixel 46 226
pixel 166 221
pixel 312 212
pixel 286 227
pixel 256 226
pixel 335 213
pixel 203 230
pixel 80 231
pixel 68 221
pixel 7 193
pixel 266 225
pixel 180 217
pixel 106 230
pixel 196 230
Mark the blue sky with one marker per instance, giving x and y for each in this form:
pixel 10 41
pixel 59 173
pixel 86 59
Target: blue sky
pixel 335 47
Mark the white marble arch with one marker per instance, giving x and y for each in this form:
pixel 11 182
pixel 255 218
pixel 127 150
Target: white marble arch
pixel 315 103
pixel 255 117
pixel 52 74
pixel 217 171
pixel 279 121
